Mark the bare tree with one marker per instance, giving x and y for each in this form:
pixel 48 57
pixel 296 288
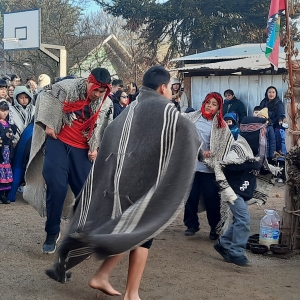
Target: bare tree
pixel 63 22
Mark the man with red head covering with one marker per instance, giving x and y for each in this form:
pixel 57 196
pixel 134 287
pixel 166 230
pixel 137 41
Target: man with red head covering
pixel 71 117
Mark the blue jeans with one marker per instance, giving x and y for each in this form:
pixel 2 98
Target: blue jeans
pixel 236 236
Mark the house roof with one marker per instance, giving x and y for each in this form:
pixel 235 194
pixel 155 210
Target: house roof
pixel 255 62
pixel 116 56
pixel 233 52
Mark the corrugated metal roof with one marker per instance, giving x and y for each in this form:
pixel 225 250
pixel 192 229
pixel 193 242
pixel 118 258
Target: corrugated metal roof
pixel 257 62
pixel 233 52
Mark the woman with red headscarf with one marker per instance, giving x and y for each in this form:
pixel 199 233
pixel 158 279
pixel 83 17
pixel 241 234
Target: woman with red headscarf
pixel 210 125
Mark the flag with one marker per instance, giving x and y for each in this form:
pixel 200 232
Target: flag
pixel 273 29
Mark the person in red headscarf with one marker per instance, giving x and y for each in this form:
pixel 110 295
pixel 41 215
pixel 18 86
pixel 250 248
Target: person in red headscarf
pixel 208 119
pixel 71 117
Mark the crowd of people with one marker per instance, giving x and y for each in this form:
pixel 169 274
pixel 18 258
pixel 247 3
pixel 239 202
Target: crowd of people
pixel 127 168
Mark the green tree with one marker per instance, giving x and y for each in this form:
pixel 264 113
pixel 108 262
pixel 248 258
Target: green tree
pixel 193 25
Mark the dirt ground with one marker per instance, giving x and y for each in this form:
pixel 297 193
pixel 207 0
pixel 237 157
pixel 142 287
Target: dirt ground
pixel 179 267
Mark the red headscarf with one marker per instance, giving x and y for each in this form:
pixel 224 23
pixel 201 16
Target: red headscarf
pixel 210 116
pixel 69 107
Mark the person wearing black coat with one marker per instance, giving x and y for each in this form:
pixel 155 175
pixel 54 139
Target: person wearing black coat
pixel 232 104
pixel 121 99
pixel 133 92
pixel 274 105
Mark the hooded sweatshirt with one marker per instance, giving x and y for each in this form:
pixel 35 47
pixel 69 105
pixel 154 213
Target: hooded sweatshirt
pixel 234 128
pixel 22 115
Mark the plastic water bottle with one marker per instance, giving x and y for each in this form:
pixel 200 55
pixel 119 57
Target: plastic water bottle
pixel 269 228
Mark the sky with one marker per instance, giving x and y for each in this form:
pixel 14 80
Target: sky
pixel 94 6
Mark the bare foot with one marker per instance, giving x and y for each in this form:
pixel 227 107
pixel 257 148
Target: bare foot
pixel 104 286
pixel 133 297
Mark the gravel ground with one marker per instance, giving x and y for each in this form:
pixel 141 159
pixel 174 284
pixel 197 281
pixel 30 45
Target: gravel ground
pixel 179 267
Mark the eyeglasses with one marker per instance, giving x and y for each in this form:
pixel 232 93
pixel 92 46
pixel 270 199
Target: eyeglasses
pixel 124 97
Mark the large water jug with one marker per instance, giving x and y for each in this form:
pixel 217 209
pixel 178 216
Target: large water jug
pixel 269 228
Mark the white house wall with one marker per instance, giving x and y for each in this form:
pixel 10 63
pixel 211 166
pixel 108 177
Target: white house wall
pixel 249 89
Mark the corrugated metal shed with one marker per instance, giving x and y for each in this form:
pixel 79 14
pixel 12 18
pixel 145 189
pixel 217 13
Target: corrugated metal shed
pixel 257 62
pixel 233 52
pixel 250 89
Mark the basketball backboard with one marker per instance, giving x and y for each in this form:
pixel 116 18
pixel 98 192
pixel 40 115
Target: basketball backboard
pixel 21 30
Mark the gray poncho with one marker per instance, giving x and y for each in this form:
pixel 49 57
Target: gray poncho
pixel 138 184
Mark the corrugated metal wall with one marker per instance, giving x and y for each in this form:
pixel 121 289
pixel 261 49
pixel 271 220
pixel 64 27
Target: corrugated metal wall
pixel 249 89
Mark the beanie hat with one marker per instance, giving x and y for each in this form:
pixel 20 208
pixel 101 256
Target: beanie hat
pixel 264 112
pixel 44 80
pixel 175 81
pixel 3 83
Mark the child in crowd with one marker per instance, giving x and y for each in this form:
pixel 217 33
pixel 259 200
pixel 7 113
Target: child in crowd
pixel 6 137
pixel 23 110
pixel 212 132
pixel 232 121
pixel 270 135
pixel 3 89
pixel 281 151
pixel 242 164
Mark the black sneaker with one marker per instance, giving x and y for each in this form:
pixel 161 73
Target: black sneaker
pixel 222 251
pixel 239 260
pixel 191 231
pixel 5 201
pixel 213 235
pixel 50 243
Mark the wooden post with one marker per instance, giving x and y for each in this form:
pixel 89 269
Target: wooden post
pixel 289 224
pixel 187 89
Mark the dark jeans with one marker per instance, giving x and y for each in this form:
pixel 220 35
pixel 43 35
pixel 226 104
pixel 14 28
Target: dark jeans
pixel 205 184
pixel 63 165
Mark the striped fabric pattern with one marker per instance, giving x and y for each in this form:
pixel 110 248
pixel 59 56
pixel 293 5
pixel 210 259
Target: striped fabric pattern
pixel 138 184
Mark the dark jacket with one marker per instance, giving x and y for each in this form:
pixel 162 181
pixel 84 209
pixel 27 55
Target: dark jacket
pixel 271 141
pixel 275 109
pixel 118 109
pixel 241 178
pixel 177 105
pixel 113 97
pixel 6 141
pixel 235 105
pixel 132 97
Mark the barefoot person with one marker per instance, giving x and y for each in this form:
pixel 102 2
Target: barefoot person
pixel 136 187
pixel 70 120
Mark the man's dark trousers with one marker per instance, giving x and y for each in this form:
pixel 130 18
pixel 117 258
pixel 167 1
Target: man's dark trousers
pixel 63 165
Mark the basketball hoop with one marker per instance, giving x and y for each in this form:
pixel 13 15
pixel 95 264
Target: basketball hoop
pixel 11 40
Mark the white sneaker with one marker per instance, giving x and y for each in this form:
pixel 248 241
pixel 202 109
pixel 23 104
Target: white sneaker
pixel 21 189
pixel 280 180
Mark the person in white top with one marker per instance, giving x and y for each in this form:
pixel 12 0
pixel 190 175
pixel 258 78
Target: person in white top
pixel 179 97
